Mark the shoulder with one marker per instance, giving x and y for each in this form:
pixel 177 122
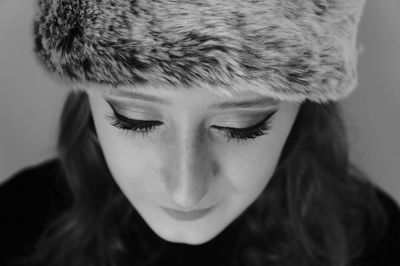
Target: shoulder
pixel 29 200
pixel 32 186
pixel 31 174
pixel 385 250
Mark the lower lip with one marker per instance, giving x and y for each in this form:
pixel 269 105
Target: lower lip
pixel 187 216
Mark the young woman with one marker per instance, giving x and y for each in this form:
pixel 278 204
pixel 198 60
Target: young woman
pixel 199 133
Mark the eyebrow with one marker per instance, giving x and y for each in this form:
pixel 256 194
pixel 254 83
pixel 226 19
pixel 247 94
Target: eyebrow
pixel 252 103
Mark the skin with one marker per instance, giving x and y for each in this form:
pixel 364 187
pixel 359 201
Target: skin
pixel 187 163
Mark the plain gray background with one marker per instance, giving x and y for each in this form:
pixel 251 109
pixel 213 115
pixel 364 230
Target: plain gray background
pixel 30 102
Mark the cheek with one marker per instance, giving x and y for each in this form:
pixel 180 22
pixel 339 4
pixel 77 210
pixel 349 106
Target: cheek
pixel 249 167
pixel 249 173
pixel 131 160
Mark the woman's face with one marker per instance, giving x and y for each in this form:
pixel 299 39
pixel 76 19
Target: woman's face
pixel 190 161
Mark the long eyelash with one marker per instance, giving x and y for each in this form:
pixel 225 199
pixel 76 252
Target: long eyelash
pixel 129 125
pixel 132 125
pixel 245 134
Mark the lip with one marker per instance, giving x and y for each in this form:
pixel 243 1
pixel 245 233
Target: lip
pixel 187 216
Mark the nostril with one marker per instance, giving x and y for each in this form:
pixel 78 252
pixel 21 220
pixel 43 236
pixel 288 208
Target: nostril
pixel 186 198
pixel 188 171
pixel 188 186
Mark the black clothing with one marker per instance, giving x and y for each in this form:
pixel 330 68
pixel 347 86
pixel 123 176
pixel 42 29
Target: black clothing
pixel 31 199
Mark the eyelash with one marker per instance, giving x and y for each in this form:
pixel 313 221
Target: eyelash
pixel 145 126
pixel 133 125
pixel 252 132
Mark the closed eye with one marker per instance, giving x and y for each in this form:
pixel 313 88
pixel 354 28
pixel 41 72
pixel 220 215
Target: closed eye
pixel 129 124
pixel 231 133
pixel 241 134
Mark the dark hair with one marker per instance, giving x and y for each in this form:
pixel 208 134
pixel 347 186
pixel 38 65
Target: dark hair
pixel 318 209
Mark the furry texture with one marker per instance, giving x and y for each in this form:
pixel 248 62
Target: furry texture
pixel 289 50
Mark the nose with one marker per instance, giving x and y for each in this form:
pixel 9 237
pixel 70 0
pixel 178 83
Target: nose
pixel 189 170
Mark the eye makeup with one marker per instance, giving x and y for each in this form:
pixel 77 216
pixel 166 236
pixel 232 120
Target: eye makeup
pixel 144 127
pixel 131 125
pixel 242 134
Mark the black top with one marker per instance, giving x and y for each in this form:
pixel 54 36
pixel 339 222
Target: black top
pixel 32 198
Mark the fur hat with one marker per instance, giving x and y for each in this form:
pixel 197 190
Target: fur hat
pixel 286 49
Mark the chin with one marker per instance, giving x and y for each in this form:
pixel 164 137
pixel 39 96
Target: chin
pixel 187 239
pixel 190 235
pixel 195 232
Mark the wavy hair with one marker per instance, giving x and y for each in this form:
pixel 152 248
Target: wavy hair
pixel 318 208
